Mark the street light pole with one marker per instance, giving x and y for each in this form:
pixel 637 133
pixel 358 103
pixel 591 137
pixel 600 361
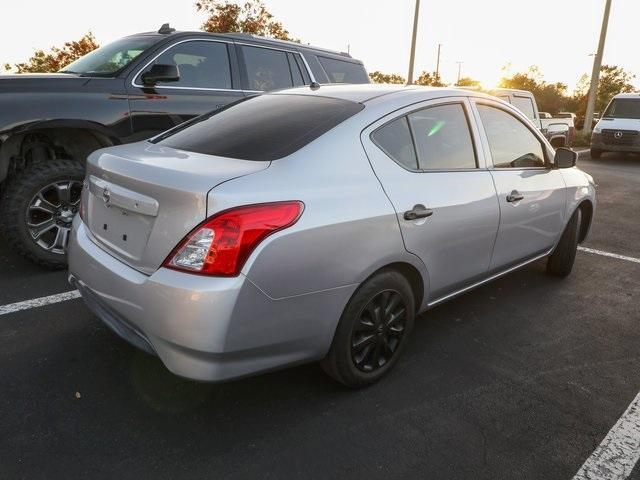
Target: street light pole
pixel 595 74
pixel 438 64
pixel 412 56
pixel 459 71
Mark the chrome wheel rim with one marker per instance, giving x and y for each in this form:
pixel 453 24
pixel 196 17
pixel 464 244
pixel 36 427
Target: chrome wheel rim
pixel 378 331
pixel 50 213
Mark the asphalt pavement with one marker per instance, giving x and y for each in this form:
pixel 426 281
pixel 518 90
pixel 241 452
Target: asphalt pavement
pixel 519 379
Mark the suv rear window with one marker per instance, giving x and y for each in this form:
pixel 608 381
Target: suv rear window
pixel 340 71
pixel 261 128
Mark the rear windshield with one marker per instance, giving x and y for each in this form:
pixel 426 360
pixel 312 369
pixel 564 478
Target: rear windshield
pixel 627 108
pixel 339 71
pixel 261 128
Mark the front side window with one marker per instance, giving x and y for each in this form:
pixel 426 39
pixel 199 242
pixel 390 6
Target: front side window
pixel 512 144
pixel 202 64
pixel 525 105
pixel 267 69
pixel 442 138
pixel 340 71
pixel 109 59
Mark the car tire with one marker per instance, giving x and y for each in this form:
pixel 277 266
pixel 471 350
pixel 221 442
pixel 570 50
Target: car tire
pixel 24 214
pixel 560 263
pixel 596 153
pixel 373 330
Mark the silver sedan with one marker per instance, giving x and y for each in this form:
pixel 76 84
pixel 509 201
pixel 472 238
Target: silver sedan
pixel 316 223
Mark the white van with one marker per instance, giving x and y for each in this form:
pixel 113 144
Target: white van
pixel 619 128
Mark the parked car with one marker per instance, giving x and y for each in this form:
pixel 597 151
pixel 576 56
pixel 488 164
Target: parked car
pixel 315 223
pixel 560 131
pixel 544 115
pixel 127 91
pixel 570 115
pixel 619 128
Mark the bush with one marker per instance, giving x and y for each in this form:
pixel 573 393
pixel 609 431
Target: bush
pixel 581 140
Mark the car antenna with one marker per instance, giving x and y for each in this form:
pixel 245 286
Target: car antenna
pixel 166 29
pixel 314 85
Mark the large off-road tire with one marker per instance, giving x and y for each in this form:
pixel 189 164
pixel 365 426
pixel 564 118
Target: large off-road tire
pixel 373 330
pixel 560 263
pixel 596 153
pixel 36 210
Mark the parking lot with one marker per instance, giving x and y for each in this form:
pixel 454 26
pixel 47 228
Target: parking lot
pixel 521 378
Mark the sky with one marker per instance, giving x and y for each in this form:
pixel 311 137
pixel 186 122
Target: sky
pixel 486 35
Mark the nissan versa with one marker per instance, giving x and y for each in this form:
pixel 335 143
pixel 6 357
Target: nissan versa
pixel 315 223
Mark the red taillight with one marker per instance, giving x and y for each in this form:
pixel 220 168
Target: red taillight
pixel 221 244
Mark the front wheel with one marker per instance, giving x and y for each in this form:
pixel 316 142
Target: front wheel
pixel 37 209
pixel 373 330
pixel 560 263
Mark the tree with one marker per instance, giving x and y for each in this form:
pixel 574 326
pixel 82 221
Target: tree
pixel 379 77
pixel 430 79
pixel 57 58
pixel 550 97
pixel 250 17
pixel 468 82
pixel 613 80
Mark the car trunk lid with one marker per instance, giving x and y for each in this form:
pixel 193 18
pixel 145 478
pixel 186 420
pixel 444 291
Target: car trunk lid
pixel 140 200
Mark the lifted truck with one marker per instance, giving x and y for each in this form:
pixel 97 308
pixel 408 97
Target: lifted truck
pixel 123 92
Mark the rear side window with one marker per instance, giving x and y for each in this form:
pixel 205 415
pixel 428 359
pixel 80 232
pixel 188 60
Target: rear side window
pixel 261 128
pixel 434 138
pixel 442 137
pixel 394 139
pixel 525 105
pixel 340 71
pixel 267 69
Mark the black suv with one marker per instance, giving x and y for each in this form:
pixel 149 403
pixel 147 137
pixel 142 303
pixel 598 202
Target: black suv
pixel 123 92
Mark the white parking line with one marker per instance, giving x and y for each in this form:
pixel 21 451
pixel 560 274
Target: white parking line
pixel 38 302
pixel 618 453
pixel 608 254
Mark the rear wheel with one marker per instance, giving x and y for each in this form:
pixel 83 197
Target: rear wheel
pixel 373 330
pixel 596 153
pixel 37 209
pixel 560 263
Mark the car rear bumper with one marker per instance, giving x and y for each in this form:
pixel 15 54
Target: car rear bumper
pixel 203 328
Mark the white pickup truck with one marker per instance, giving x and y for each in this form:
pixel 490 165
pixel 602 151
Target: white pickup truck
pixel 560 131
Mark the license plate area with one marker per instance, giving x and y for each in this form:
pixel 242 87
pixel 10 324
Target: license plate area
pixel 120 219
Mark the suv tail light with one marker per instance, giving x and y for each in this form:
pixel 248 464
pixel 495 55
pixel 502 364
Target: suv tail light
pixel 221 244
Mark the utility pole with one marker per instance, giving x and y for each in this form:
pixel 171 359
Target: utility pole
pixel 595 74
pixel 438 63
pixel 412 55
pixel 459 71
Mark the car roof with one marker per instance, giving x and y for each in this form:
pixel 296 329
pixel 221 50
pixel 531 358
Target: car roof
pixel 362 93
pixel 255 38
pixel 627 95
pixel 510 90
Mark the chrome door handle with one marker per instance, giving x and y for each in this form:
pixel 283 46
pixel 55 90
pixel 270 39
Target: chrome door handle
pixel 514 196
pixel 418 211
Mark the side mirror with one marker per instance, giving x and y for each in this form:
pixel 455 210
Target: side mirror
pixel 565 158
pixel 161 73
